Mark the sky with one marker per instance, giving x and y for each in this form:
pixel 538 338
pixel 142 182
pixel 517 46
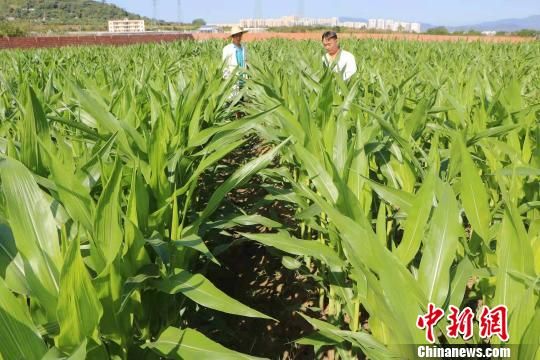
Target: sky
pixel 437 12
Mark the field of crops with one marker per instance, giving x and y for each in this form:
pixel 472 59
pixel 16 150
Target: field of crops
pixel 129 185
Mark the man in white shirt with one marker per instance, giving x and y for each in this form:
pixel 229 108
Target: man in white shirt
pixel 336 58
pixel 234 57
pixel 234 54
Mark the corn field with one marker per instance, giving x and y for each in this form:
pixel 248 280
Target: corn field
pixel 417 182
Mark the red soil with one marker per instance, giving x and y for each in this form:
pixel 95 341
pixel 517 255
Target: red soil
pixel 84 40
pixel 417 37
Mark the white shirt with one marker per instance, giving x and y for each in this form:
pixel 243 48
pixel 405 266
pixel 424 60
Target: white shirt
pixel 229 59
pixel 345 62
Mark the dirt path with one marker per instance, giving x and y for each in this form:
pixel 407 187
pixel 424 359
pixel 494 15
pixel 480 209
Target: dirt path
pixel 254 275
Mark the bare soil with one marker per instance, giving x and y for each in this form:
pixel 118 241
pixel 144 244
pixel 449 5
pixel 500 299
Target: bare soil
pixel 361 36
pixel 254 275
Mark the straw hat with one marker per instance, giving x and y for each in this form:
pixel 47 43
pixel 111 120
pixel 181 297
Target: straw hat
pixel 237 30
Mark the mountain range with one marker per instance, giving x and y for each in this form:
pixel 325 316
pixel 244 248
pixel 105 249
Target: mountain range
pixel 531 22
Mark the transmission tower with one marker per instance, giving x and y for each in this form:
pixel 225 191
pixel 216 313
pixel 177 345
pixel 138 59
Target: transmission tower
pixel 179 11
pixel 155 6
pixel 258 9
pixel 300 8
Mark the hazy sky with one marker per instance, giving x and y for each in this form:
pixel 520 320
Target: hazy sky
pixel 456 12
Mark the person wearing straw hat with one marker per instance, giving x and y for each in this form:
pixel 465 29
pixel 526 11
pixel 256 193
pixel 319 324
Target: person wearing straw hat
pixel 234 54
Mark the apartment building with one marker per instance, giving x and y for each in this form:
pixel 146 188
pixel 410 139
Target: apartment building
pixel 126 26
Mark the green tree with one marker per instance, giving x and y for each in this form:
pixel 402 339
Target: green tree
pixel 527 32
pixel 198 22
pixel 440 30
pixel 11 30
pixel 473 32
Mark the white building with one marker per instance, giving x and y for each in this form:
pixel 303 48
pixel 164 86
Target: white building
pixel 289 21
pixel 210 29
pixel 354 24
pixel 404 26
pixel 489 33
pixel 393 25
pixel 126 26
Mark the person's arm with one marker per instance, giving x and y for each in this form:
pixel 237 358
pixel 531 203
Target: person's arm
pixel 226 59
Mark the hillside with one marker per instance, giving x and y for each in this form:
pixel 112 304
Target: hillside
pixel 531 22
pixel 62 12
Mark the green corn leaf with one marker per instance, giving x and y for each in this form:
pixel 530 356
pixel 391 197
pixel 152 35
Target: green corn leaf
pixel 34 230
pixel 529 347
pixel 205 163
pixel 462 273
pixel 107 122
pixel 367 343
pixel 20 337
pixel 492 132
pixel 521 317
pixel 514 254
pixel 34 127
pixel 79 309
pixel 107 229
pixel 179 344
pixel 397 198
pixel 195 242
pixel 203 292
pixel 72 193
pixel 318 339
pixel 238 178
pixel 440 248
pixel 416 222
pixel 291 245
pixel 11 263
pixel 474 196
pixel 318 174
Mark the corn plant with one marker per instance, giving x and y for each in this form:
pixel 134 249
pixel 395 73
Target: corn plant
pixel 416 182
pixel 102 204
pixel 411 180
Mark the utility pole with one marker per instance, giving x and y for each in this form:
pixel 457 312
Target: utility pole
pixel 154 11
pixel 300 8
pixel 258 9
pixel 179 11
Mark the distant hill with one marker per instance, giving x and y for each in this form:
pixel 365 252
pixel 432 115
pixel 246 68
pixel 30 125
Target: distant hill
pixel 62 12
pixel 531 22
pixel 509 25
